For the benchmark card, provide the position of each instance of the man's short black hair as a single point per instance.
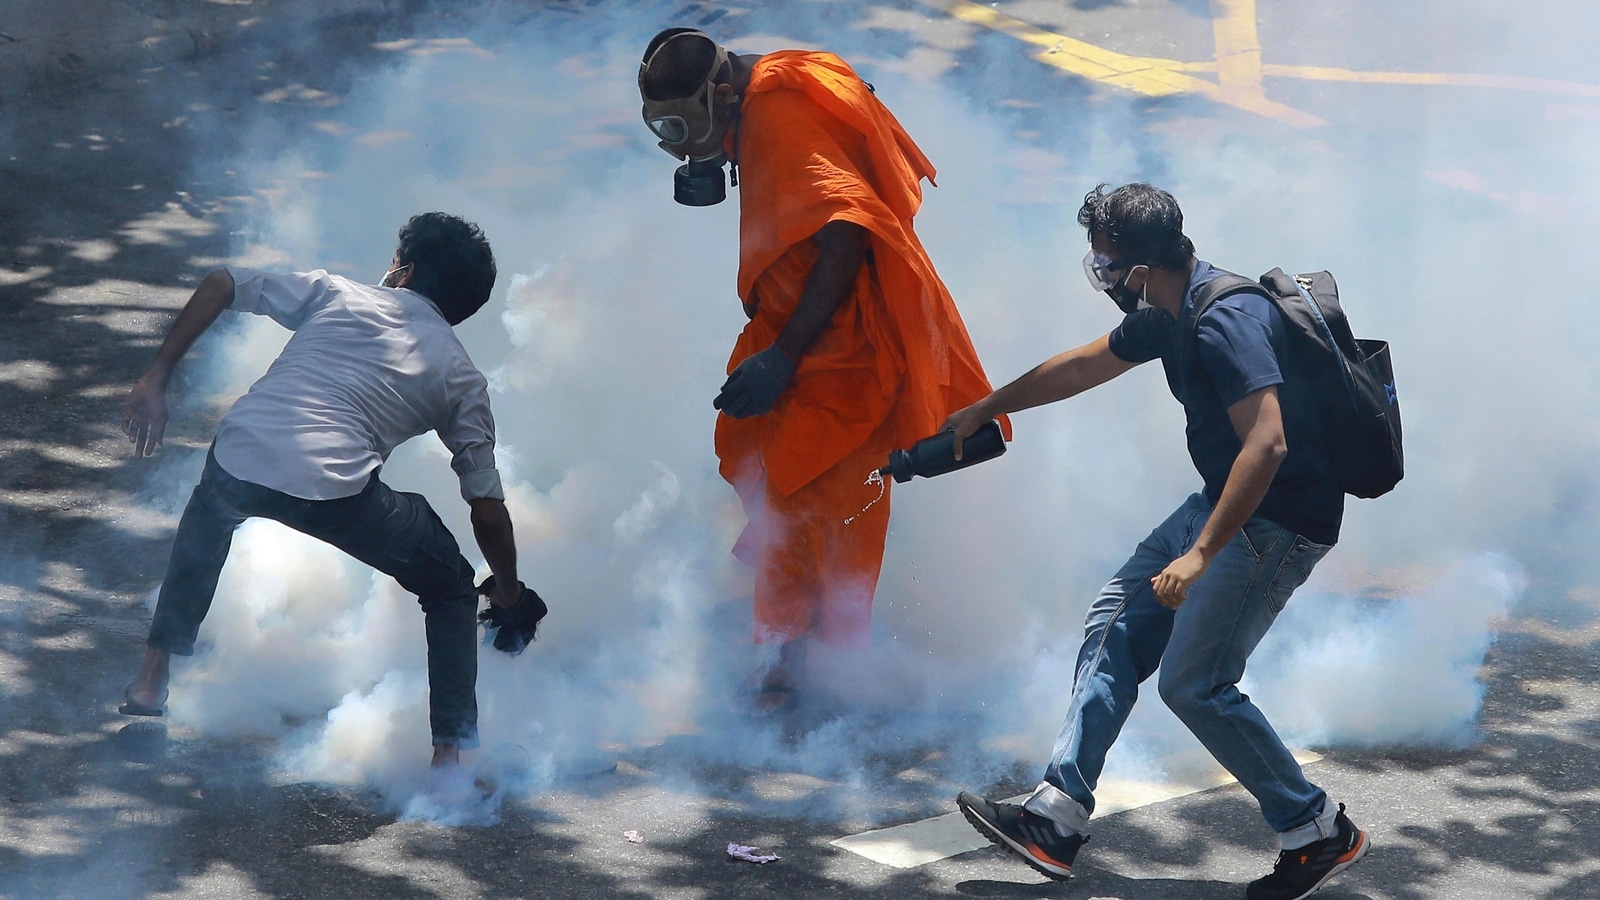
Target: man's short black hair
(680, 71)
(1144, 223)
(451, 262)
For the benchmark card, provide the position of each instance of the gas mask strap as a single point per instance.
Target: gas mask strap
(733, 126)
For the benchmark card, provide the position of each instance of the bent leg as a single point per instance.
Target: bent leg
(400, 535)
(1125, 636)
(1228, 612)
(205, 534)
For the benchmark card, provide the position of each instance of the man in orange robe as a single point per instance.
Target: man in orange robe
(854, 345)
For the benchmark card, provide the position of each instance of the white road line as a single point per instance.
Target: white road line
(930, 840)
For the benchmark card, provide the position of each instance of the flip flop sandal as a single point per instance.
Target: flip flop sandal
(132, 707)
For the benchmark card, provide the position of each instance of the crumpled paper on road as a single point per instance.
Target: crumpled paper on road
(750, 854)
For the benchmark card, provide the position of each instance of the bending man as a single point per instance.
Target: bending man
(854, 345)
(1201, 591)
(367, 368)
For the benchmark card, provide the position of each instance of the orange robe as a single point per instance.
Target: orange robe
(813, 146)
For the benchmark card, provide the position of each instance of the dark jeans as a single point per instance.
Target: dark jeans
(396, 533)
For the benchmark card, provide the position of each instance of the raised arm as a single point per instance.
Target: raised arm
(144, 414)
(1057, 378)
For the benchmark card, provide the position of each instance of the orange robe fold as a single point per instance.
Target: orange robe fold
(813, 146)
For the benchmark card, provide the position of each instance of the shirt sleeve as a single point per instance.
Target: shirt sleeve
(468, 433)
(286, 299)
(1235, 337)
(1142, 336)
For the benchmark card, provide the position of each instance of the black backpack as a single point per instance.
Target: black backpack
(1352, 379)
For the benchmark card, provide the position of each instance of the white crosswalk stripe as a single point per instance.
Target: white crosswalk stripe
(941, 837)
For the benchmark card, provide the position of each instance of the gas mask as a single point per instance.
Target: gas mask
(689, 121)
(1097, 267)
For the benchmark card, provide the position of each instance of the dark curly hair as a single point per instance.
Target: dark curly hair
(451, 262)
(1144, 223)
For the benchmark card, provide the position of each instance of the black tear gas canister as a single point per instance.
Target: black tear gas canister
(937, 455)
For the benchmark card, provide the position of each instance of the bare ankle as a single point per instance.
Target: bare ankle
(446, 756)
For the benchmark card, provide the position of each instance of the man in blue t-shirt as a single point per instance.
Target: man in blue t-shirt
(1201, 591)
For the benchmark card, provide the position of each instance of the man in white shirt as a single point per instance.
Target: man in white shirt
(368, 367)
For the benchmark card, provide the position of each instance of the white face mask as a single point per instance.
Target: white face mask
(384, 281)
(1099, 269)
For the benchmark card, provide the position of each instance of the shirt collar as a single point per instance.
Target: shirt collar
(425, 298)
(1203, 273)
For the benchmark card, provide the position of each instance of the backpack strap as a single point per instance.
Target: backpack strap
(1223, 286)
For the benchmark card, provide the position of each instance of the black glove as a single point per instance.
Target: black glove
(515, 627)
(753, 388)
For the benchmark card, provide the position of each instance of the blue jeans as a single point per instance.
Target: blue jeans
(396, 533)
(1201, 649)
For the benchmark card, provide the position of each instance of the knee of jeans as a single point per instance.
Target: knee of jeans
(1184, 696)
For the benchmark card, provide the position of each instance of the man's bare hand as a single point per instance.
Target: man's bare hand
(144, 416)
(964, 422)
(1172, 583)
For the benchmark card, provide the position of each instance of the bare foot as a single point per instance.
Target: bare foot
(446, 774)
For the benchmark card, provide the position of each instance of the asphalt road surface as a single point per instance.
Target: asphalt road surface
(143, 143)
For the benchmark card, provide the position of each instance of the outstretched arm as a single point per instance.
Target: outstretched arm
(491, 526)
(1057, 378)
(144, 415)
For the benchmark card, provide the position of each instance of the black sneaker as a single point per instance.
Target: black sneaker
(1301, 871)
(1031, 837)
(515, 628)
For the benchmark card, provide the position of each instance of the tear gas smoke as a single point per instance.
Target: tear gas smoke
(608, 336)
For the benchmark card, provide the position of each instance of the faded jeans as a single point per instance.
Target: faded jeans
(396, 533)
(1201, 649)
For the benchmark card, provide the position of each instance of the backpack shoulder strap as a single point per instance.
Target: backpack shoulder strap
(1225, 285)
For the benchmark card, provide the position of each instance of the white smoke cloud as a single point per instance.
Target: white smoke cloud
(1351, 670)
(609, 337)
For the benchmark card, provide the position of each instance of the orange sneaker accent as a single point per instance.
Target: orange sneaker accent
(1036, 853)
(1361, 840)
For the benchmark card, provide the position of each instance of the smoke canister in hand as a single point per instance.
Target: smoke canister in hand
(937, 455)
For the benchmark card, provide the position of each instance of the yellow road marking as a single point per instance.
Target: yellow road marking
(1238, 47)
(1238, 66)
(1151, 76)
(1506, 82)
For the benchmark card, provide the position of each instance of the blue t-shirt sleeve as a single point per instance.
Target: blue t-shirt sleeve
(1235, 338)
(1143, 335)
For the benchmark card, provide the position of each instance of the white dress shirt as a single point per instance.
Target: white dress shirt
(367, 369)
